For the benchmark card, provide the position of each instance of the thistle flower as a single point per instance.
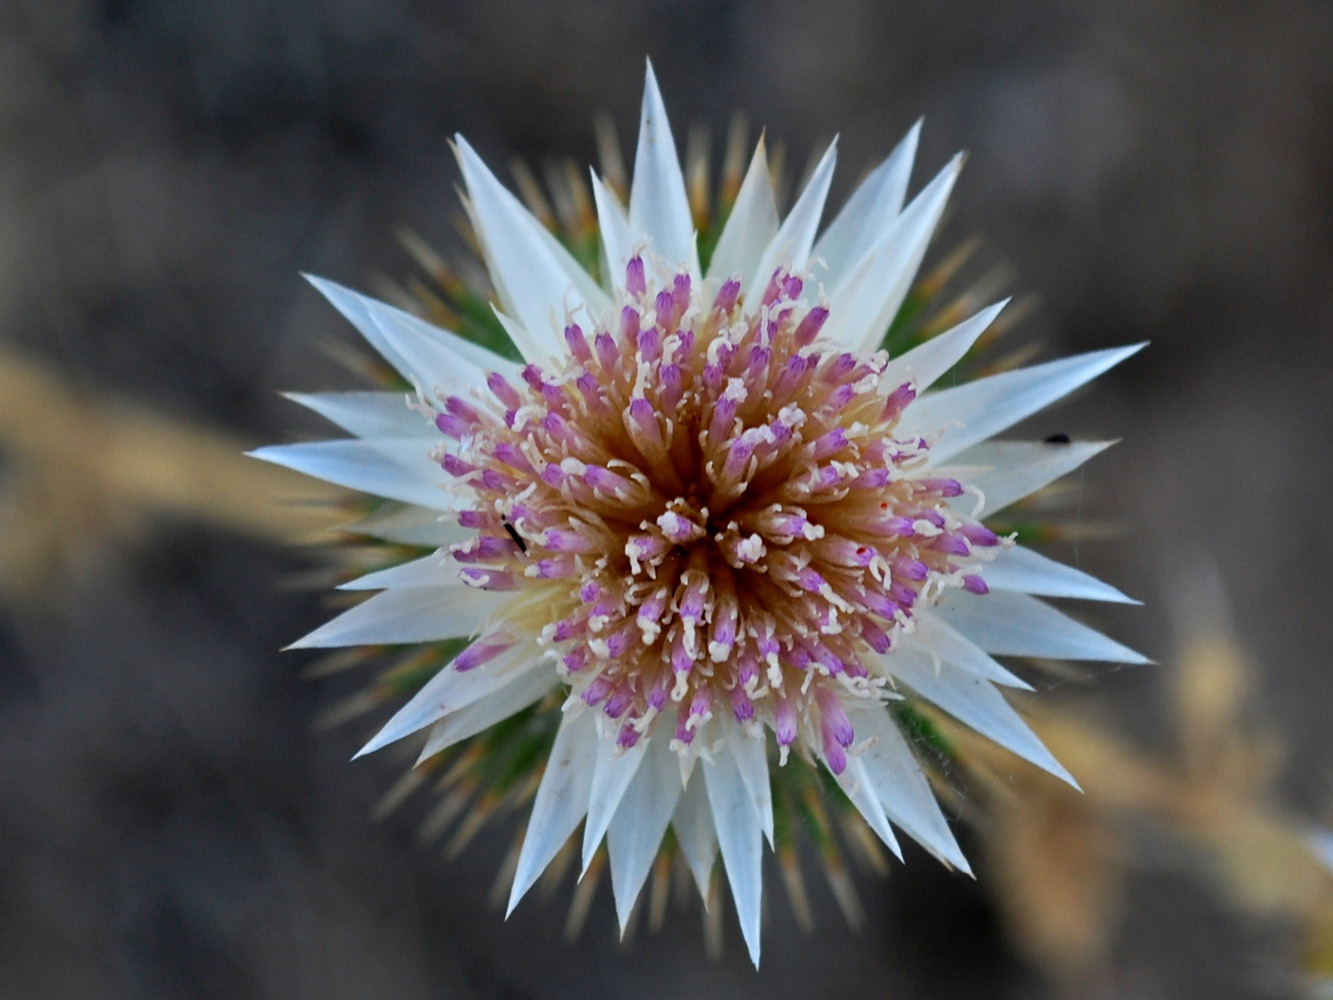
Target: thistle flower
(706, 519)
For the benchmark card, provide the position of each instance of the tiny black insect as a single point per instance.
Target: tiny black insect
(522, 545)
(1058, 439)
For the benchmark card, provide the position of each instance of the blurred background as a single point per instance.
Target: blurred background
(170, 823)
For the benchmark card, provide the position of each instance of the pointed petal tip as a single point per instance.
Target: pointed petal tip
(828, 160)
(315, 640)
(1127, 351)
(331, 290)
(1047, 762)
(474, 168)
(466, 156)
(342, 298)
(990, 312)
(517, 891)
(1104, 592)
(1132, 657)
(1095, 448)
(652, 92)
(947, 852)
(1114, 355)
(376, 742)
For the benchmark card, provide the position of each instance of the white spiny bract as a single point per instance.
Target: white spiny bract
(709, 513)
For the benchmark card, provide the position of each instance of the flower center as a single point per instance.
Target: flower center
(706, 510)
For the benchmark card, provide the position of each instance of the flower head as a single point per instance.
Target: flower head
(709, 513)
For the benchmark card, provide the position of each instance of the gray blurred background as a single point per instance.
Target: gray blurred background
(170, 826)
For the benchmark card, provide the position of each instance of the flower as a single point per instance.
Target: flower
(708, 513)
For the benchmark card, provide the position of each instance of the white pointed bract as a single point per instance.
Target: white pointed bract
(708, 512)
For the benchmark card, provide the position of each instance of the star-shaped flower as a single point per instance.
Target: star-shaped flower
(707, 511)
